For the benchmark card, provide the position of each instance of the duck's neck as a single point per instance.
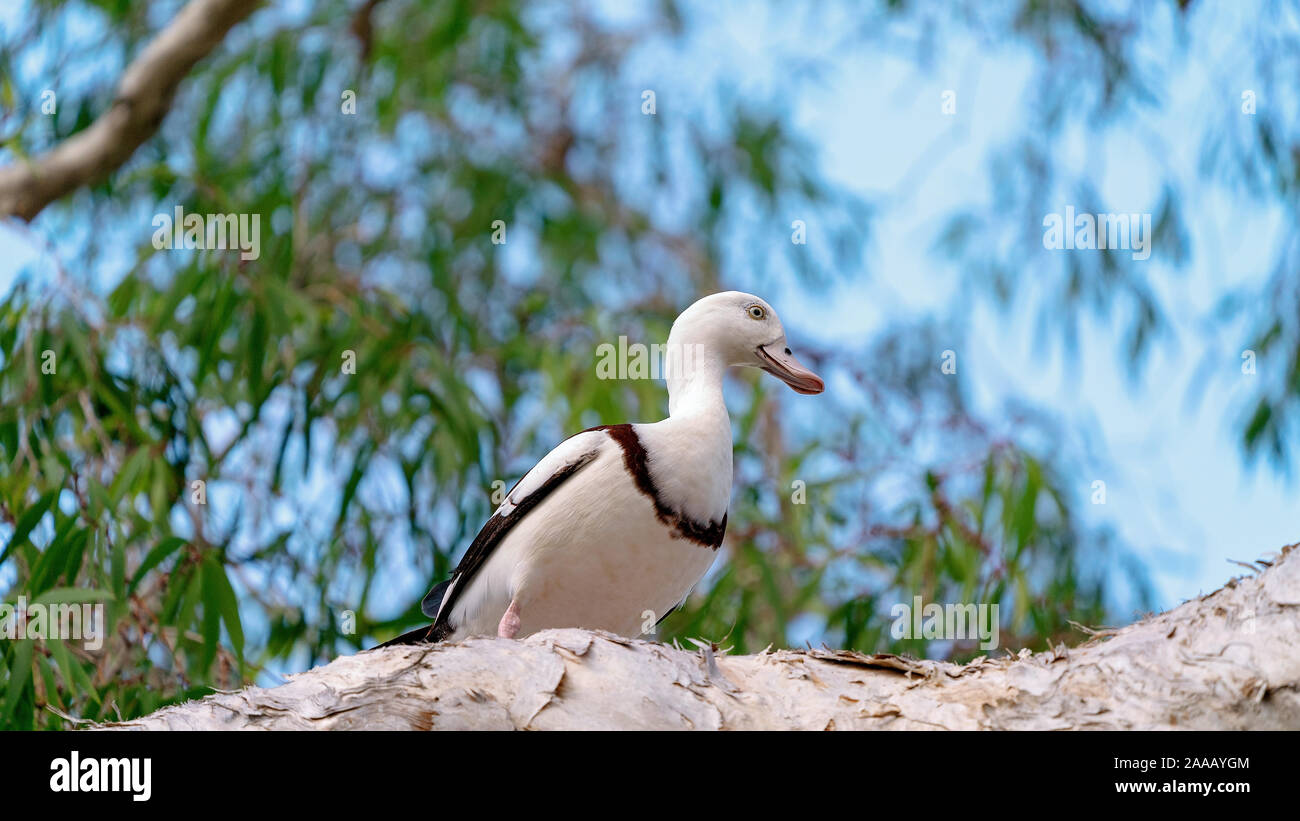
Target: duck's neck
(694, 377)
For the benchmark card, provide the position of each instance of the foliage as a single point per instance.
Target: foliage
(333, 498)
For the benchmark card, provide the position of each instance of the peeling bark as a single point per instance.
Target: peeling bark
(1229, 660)
(143, 98)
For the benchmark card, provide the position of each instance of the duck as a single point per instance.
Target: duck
(613, 528)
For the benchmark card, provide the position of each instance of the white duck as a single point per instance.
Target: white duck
(613, 528)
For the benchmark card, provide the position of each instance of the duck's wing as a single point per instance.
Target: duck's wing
(556, 468)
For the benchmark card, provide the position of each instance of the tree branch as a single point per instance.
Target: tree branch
(143, 99)
(1229, 660)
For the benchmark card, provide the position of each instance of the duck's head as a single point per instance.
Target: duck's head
(744, 331)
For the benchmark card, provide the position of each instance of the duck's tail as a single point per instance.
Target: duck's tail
(419, 635)
(435, 632)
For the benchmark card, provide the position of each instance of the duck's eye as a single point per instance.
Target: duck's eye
(757, 312)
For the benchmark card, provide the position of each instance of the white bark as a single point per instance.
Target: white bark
(1227, 660)
(143, 98)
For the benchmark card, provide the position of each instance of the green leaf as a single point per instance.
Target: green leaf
(155, 557)
(219, 590)
(53, 559)
(28, 521)
(68, 595)
(211, 598)
(117, 562)
(125, 479)
(20, 672)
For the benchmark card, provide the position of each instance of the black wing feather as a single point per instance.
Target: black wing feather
(433, 599)
(497, 527)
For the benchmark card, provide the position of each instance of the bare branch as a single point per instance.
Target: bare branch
(143, 99)
(1228, 660)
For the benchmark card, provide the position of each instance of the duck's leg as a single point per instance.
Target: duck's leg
(509, 625)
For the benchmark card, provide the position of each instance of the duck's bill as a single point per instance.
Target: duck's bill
(778, 361)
